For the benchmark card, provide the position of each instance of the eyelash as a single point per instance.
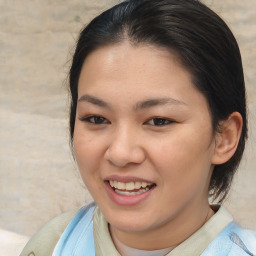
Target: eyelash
(99, 120)
(163, 121)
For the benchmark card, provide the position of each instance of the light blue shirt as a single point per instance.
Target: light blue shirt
(78, 240)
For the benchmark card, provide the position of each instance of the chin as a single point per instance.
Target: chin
(131, 223)
(130, 227)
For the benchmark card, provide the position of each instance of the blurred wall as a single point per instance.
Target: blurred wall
(38, 178)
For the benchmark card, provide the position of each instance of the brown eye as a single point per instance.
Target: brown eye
(95, 120)
(158, 121)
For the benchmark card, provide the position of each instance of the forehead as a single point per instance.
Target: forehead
(135, 72)
(122, 59)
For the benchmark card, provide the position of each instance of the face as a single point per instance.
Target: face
(143, 140)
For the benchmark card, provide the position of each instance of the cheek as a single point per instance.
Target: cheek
(87, 158)
(86, 151)
(182, 148)
(184, 159)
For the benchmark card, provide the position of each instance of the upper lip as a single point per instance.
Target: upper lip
(126, 179)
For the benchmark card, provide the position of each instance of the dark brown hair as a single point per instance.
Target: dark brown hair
(203, 43)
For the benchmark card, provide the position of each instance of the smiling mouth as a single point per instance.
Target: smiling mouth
(132, 188)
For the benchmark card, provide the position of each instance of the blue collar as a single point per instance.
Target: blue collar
(78, 235)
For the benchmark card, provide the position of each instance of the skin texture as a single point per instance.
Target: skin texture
(178, 155)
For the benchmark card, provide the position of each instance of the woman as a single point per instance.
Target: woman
(158, 124)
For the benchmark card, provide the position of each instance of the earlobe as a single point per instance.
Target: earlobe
(228, 138)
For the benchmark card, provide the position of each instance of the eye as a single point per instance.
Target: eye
(95, 120)
(159, 121)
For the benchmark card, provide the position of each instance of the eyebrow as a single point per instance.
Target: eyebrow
(93, 100)
(158, 101)
(140, 105)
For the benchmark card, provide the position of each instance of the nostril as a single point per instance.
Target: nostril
(123, 156)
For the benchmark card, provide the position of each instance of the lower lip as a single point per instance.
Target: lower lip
(127, 200)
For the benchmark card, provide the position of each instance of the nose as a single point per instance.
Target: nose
(125, 148)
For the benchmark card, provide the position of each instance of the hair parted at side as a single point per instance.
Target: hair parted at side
(198, 37)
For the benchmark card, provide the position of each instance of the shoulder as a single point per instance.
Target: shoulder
(232, 241)
(44, 241)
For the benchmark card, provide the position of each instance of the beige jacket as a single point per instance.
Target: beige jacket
(44, 241)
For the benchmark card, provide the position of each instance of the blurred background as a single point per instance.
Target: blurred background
(38, 178)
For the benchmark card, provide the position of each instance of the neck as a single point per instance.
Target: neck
(168, 235)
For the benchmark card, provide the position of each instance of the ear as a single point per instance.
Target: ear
(227, 139)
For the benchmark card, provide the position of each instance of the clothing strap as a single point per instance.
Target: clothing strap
(77, 239)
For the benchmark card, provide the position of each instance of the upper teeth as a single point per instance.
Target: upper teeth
(129, 185)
